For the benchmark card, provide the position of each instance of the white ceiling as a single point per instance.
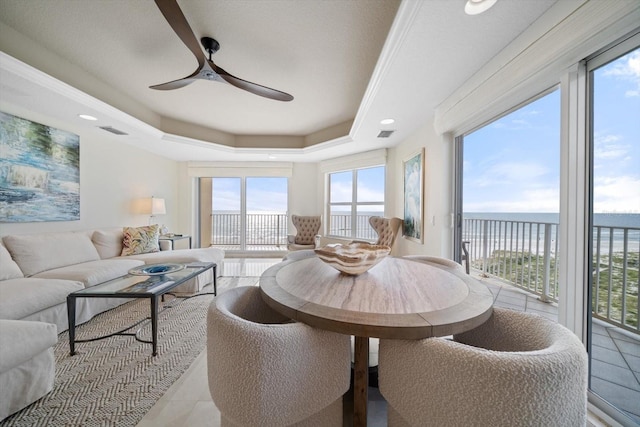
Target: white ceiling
(348, 63)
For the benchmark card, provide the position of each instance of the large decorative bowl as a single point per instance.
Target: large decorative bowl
(353, 258)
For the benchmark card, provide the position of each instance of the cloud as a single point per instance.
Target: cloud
(533, 200)
(607, 139)
(617, 194)
(267, 201)
(608, 148)
(226, 200)
(626, 68)
(370, 194)
(512, 124)
(341, 192)
(518, 120)
(514, 172)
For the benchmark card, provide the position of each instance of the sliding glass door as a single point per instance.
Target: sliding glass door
(613, 330)
(247, 213)
(508, 186)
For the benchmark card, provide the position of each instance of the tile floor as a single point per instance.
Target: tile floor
(616, 364)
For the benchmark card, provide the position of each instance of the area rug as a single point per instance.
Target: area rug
(116, 381)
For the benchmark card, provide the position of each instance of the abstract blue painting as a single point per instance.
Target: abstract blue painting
(39, 172)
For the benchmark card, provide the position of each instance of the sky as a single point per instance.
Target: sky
(266, 195)
(513, 164)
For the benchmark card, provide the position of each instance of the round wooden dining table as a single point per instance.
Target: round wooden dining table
(399, 298)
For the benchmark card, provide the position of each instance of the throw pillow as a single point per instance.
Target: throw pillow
(8, 267)
(108, 242)
(140, 240)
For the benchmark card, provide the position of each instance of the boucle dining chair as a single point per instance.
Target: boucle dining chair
(266, 370)
(516, 369)
(307, 229)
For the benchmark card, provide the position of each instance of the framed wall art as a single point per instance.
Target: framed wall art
(413, 168)
(39, 172)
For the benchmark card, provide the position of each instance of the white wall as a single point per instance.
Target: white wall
(305, 191)
(438, 191)
(112, 175)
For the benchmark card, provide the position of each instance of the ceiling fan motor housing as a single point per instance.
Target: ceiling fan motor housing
(210, 45)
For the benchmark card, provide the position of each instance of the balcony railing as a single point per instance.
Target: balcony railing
(270, 230)
(525, 255)
(262, 230)
(340, 226)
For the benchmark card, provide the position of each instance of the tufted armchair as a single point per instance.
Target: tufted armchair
(516, 369)
(387, 229)
(307, 228)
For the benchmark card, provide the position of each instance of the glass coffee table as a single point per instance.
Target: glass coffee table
(147, 281)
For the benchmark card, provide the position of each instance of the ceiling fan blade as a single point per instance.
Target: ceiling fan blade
(254, 88)
(176, 84)
(174, 16)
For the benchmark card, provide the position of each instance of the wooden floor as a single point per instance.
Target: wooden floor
(615, 365)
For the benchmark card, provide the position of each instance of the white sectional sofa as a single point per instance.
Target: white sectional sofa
(37, 272)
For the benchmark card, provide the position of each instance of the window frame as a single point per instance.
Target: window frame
(588, 67)
(353, 204)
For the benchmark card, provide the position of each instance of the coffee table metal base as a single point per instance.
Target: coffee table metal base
(153, 300)
(71, 312)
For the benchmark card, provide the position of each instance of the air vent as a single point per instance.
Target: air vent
(385, 133)
(113, 130)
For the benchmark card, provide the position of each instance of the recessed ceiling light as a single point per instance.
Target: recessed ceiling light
(475, 7)
(87, 117)
(386, 121)
(272, 156)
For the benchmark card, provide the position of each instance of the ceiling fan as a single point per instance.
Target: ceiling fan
(207, 70)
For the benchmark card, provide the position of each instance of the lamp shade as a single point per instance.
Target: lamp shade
(158, 207)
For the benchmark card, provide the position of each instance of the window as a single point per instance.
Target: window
(510, 196)
(589, 220)
(354, 196)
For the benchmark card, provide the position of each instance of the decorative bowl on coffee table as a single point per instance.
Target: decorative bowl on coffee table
(353, 258)
(156, 269)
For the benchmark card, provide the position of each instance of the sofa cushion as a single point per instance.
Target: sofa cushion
(93, 272)
(182, 256)
(39, 252)
(140, 240)
(21, 340)
(23, 297)
(108, 242)
(8, 267)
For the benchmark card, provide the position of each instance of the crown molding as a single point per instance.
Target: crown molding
(400, 29)
(44, 81)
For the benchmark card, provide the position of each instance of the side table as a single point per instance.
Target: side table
(174, 238)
